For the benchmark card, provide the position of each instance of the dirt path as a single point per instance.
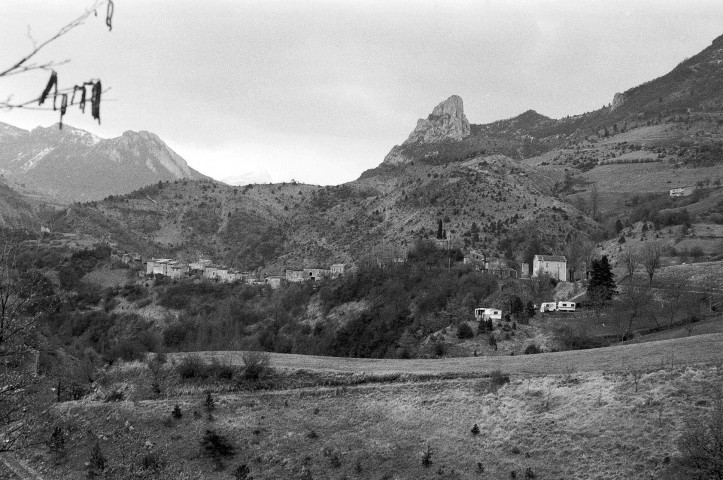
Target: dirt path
(701, 349)
(12, 469)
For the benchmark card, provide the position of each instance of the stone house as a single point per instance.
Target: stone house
(553, 265)
(295, 276)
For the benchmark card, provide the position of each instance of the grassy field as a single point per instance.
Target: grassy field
(592, 425)
(681, 351)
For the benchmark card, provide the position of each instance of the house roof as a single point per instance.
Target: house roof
(550, 258)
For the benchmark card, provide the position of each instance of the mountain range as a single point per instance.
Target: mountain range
(497, 187)
(68, 165)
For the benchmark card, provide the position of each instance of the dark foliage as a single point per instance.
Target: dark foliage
(601, 283)
(464, 331)
(216, 446)
(97, 463)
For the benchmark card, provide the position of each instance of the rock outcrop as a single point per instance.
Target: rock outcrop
(446, 122)
(618, 100)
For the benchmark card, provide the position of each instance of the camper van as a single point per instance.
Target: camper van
(487, 313)
(565, 306)
(548, 307)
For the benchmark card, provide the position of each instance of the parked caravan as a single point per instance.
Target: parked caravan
(487, 313)
(548, 307)
(565, 306)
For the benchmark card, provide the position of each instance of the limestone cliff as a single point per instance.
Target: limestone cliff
(447, 121)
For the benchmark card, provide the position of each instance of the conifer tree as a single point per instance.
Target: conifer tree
(602, 283)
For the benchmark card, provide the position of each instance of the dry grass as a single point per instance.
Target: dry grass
(575, 425)
(687, 351)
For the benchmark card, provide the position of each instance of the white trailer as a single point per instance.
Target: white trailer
(487, 313)
(565, 306)
(548, 307)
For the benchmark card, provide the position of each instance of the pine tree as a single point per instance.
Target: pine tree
(601, 279)
(439, 229)
(618, 226)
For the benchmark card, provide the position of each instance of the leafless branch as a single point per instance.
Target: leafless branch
(22, 65)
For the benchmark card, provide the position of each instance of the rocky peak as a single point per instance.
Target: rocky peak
(447, 121)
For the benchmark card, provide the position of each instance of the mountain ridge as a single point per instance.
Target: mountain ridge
(69, 164)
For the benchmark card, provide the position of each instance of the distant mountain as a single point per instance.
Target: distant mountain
(695, 86)
(71, 165)
(248, 178)
(507, 187)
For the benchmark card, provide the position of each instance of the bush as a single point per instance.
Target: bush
(497, 380)
(464, 331)
(532, 349)
(222, 371)
(427, 456)
(192, 366)
(176, 412)
(97, 463)
(115, 396)
(256, 365)
(153, 462)
(57, 440)
(242, 472)
(216, 446)
(701, 444)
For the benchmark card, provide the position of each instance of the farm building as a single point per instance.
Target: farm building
(682, 191)
(553, 265)
(338, 269)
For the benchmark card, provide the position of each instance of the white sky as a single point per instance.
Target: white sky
(321, 91)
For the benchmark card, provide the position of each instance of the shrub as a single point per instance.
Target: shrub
(192, 366)
(215, 445)
(532, 349)
(97, 463)
(427, 456)
(475, 429)
(209, 404)
(242, 472)
(153, 462)
(222, 371)
(115, 396)
(464, 331)
(176, 412)
(701, 444)
(497, 380)
(57, 440)
(256, 365)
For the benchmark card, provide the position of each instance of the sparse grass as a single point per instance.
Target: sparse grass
(701, 349)
(578, 429)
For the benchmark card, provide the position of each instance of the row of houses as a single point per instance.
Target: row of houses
(314, 274)
(205, 269)
(552, 265)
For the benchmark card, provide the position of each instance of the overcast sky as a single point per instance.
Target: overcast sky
(321, 91)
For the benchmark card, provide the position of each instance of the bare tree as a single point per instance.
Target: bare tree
(28, 63)
(701, 444)
(675, 297)
(594, 201)
(630, 259)
(635, 300)
(651, 254)
(577, 250)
